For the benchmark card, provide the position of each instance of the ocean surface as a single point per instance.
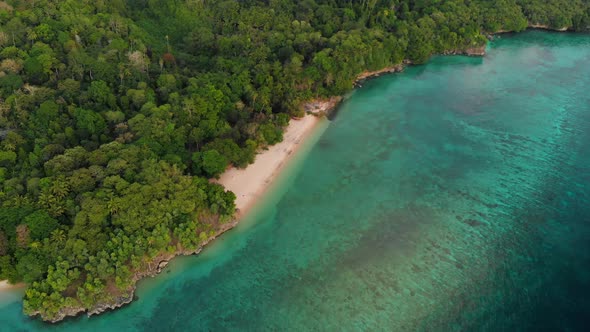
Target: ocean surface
(454, 196)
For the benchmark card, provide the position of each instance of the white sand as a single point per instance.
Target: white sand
(250, 183)
(4, 285)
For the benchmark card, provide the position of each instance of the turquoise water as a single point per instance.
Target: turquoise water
(451, 197)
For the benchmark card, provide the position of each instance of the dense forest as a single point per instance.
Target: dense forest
(115, 113)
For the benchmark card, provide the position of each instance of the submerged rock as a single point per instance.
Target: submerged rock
(162, 265)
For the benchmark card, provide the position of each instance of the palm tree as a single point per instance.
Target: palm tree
(32, 36)
(113, 206)
(60, 188)
(58, 236)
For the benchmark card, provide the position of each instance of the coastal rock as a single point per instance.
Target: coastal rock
(370, 74)
(321, 106)
(102, 307)
(324, 106)
(546, 27)
(472, 51)
(476, 51)
(532, 26)
(162, 265)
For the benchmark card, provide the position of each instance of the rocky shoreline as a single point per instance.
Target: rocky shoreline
(387, 70)
(318, 107)
(472, 51)
(324, 106)
(154, 269)
(546, 27)
(321, 106)
(530, 26)
(329, 104)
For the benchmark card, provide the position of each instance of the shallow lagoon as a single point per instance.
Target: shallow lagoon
(453, 196)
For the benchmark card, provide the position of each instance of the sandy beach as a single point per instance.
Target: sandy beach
(4, 285)
(250, 183)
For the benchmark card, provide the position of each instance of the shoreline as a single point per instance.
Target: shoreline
(534, 26)
(4, 286)
(251, 183)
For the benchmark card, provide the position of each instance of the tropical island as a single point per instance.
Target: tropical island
(117, 116)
